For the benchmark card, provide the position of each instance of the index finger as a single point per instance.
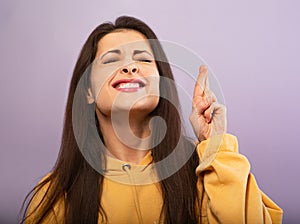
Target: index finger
(202, 84)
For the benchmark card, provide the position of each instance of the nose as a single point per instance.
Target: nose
(129, 69)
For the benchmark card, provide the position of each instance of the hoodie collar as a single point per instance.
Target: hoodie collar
(132, 174)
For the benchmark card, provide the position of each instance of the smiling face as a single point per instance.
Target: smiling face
(124, 74)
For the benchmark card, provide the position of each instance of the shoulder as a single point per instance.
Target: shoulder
(40, 201)
(40, 192)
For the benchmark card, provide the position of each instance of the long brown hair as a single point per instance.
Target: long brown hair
(75, 181)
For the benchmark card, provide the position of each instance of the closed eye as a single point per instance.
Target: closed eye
(111, 56)
(142, 56)
(110, 61)
(144, 60)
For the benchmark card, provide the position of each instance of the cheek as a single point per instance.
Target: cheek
(105, 98)
(102, 93)
(153, 87)
(152, 94)
(100, 77)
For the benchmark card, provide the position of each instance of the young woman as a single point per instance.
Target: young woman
(119, 163)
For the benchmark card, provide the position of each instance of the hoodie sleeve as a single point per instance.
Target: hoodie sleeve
(228, 192)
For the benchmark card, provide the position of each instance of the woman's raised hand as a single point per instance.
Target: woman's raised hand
(208, 117)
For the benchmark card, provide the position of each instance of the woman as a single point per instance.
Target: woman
(114, 166)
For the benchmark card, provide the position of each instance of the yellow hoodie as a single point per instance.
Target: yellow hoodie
(228, 192)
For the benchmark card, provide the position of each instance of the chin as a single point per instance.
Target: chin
(143, 106)
(124, 104)
(146, 104)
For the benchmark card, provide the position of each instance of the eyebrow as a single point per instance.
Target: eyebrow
(142, 51)
(116, 51)
(135, 52)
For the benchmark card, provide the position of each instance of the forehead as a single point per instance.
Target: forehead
(122, 39)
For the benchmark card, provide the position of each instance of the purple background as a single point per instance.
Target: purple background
(252, 47)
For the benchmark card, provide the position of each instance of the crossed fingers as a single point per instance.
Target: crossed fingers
(204, 100)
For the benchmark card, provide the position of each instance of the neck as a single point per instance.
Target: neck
(124, 135)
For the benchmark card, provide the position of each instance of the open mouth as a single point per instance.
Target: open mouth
(128, 85)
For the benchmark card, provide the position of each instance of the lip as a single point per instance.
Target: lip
(116, 85)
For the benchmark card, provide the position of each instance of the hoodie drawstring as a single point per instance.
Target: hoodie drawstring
(126, 167)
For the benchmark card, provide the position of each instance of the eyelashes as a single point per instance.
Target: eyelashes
(108, 61)
(145, 60)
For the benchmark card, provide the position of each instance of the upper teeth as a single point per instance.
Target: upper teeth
(129, 85)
